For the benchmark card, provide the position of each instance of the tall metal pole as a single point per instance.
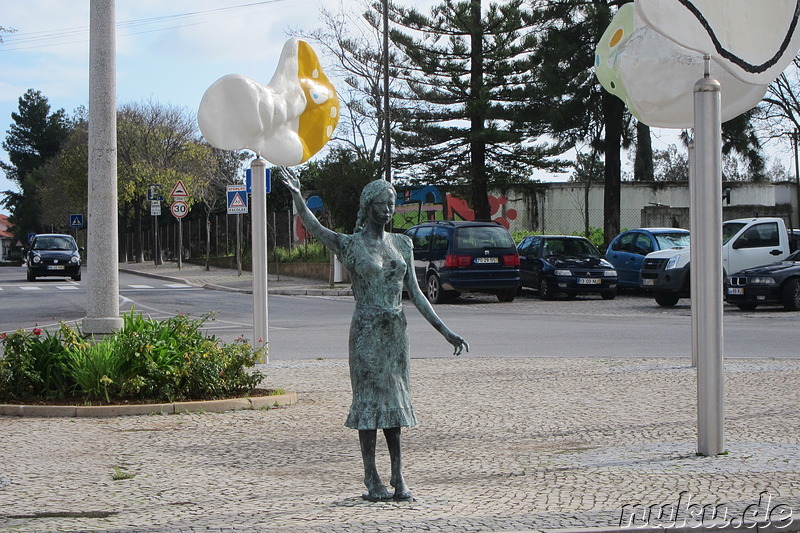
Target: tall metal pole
(102, 313)
(387, 137)
(706, 266)
(693, 249)
(258, 169)
(795, 136)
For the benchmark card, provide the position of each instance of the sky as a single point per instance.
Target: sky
(170, 52)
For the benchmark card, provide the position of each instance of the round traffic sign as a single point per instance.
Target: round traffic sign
(179, 208)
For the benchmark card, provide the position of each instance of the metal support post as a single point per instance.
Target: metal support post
(258, 169)
(706, 264)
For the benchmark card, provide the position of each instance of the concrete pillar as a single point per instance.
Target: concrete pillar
(102, 314)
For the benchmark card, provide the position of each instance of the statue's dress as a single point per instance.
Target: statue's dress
(379, 359)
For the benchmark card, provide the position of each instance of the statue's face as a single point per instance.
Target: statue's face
(381, 208)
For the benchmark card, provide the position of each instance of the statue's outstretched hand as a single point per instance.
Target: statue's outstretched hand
(458, 343)
(290, 178)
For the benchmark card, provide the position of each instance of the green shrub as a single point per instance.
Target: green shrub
(146, 360)
(311, 252)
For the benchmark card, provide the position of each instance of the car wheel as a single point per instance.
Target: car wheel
(791, 295)
(76, 278)
(31, 277)
(609, 294)
(746, 306)
(506, 295)
(545, 290)
(667, 299)
(435, 293)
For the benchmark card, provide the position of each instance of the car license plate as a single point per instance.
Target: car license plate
(648, 282)
(55, 267)
(589, 281)
(487, 260)
(736, 291)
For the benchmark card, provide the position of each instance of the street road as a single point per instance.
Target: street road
(303, 327)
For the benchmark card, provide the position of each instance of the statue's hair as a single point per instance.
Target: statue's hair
(370, 191)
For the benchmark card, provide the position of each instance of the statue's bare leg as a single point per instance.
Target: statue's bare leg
(401, 491)
(376, 490)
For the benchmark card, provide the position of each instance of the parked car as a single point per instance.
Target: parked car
(746, 243)
(451, 257)
(567, 264)
(52, 254)
(626, 252)
(778, 283)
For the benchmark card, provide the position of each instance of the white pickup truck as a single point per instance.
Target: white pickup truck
(746, 243)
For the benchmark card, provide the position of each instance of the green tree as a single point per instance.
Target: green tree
(570, 96)
(158, 145)
(32, 140)
(466, 75)
(671, 165)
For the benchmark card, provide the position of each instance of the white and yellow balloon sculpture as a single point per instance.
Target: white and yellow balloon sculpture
(286, 122)
(651, 55)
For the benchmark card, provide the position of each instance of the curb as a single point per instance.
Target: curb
(105, 411)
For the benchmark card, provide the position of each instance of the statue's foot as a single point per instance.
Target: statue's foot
(377, 493)
(403, 496)
(401, 492)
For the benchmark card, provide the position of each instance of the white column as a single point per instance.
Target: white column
(706, 267)
(258, 170)
(102, 315)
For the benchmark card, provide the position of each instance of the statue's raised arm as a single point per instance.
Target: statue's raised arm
(326, 236)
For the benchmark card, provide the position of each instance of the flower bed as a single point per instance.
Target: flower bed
(146, 361)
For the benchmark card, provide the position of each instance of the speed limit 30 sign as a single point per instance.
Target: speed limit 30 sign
(179, 209)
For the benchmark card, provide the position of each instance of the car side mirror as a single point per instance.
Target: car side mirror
(741, 242)
(81, 249)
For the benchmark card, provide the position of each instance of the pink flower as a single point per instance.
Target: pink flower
(37, 331)
(2, 336)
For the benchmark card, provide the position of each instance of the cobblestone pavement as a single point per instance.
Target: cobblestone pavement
(503, 445)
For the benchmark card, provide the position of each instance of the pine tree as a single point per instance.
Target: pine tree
(571, 96)
(31, 141)
(466, 73)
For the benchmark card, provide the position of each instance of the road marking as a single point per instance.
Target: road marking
(141, 286)
(178, 286)
(30, 288)
(67, 287)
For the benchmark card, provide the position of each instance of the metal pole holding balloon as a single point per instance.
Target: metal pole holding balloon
(258, 171)
(706, 266)
(284, 122)
(650, 56)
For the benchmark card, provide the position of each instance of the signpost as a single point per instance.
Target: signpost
(179, 210)
(76, 222)
(155, 198)
(237, 205)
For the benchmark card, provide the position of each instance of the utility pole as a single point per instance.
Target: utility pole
(387, 137)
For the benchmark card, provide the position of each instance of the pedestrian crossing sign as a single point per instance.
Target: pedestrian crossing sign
(76, 221)
(237, 199)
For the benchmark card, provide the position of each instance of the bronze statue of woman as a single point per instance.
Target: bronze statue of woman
(380, 265)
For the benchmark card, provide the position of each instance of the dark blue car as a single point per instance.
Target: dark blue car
(626, 252)
(565, 264)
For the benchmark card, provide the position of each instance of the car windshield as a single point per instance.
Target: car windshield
(483, 237)
(54, 243)
(672, 240)
(729, 229)
(571, 247)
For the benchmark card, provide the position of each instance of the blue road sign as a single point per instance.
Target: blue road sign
(248, 180)
(237, 199)
(30, 237)
(76, 221)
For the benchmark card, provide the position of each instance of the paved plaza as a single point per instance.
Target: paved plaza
(504, 444)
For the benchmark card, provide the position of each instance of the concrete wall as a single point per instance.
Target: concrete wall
(560, 207)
